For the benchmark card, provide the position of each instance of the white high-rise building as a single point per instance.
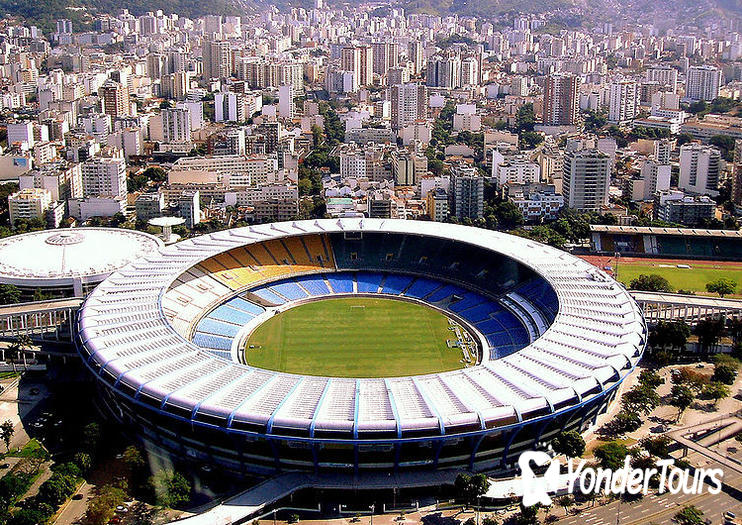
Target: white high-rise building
(667, 77)
(286, 101)
(176, 125)
(196, 111)
(21, 133)
(104, 177)
(229, 107)
(655, 177)
(703, 83)
(700, 166)
(409, 104)
(623, 101)
(586, 178)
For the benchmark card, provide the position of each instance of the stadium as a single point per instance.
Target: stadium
(358, 345)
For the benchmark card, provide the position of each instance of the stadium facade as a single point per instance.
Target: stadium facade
(165, 336)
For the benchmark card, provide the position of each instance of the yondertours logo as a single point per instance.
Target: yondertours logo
(625, 480)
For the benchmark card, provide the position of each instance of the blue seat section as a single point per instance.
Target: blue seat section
(368, 282)
(265, 293)
(422, 287)
(289, 290)
(469, 300)
(246, 306)
(507, 320)
(445, 292)
(490, 326)
(314, 284)
(499, 339)
(341, 282)
(480, 312)
(212, 341)
(541, 295)
(212, 326)
(395, 284)
(230, 315)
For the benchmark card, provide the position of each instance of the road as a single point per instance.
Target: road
(74, 509)
(658, 509)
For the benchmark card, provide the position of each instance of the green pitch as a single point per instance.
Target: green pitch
(355, 337)
(694, 279)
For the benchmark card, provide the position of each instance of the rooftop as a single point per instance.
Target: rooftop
(69, 253)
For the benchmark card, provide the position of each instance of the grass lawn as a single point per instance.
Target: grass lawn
(32, 449)
(694, 279)
(355, 337)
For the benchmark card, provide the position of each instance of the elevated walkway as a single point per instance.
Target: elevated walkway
(251, 502)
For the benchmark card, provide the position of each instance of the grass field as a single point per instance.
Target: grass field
(693, 278)
(355, 337)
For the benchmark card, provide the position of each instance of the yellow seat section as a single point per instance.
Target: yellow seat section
(241, 267)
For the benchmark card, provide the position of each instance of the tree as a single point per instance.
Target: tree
(716, 391)
(527, 515)
(28, 517)
(57, 489)
(674, 334)
(611, 455)
(690, 378)
(83, 461)
(565, 502)
(724, 374)
(469, 488)
(170, 489)
(525, 118)
(102, 507)
(657, 446)
(721, 286)
(570, 443)
(650, 283)
(708, 332)
(650, 378)
(7, 430)
(641, 399)
(622, 423)
(689, 515)
(91, 436)
(9, 294)
(681, 398)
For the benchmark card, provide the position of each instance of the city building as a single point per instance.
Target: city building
(436, 204)
(537, 202)
(703, 83)
(586, 177)
(623, 101)
(29, 203)
(700, 167)
(680, 208)
(561, 100)
(409, 104)
(466, 196)
(104, 177)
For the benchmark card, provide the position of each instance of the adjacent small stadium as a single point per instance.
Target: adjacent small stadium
(682, 274)
(357, 345)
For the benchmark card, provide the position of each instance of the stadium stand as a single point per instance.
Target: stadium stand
(158, 336)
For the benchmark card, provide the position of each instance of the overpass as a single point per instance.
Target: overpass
(721, 428)
(689, 308)
(41, 320)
